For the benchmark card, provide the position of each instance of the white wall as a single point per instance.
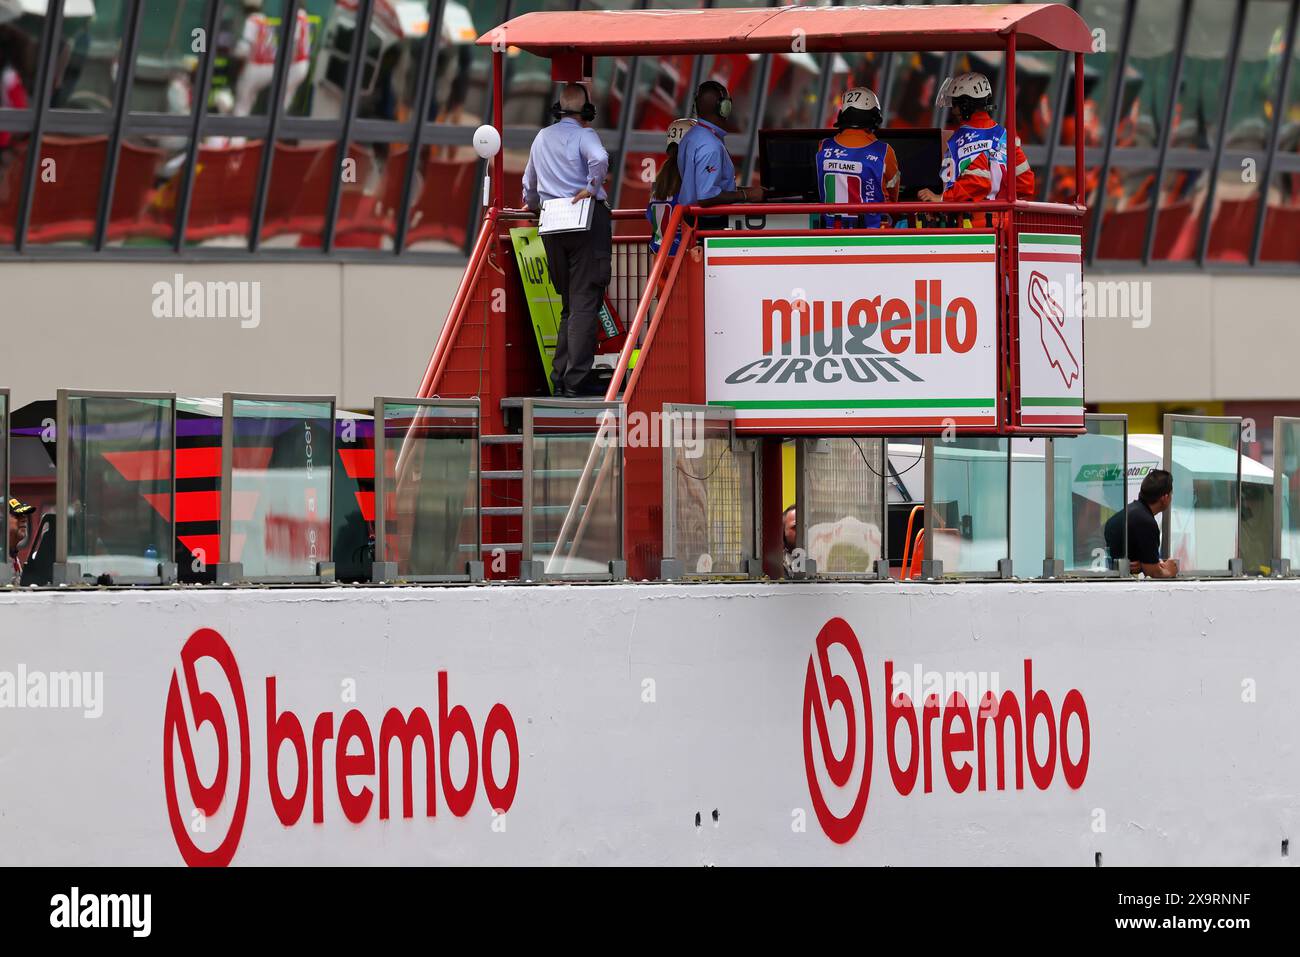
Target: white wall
(361, 330)
(635, 707)
(355, 331)
(1212, 337)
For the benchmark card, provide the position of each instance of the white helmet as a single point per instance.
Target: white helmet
(974, 85)
(678, 129)
(859, 98)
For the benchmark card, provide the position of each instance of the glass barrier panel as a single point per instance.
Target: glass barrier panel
(4, 447)
(574, 487)
(1089, 491)
(969, 512)
(843, 505)
(1286, 460)
(712, 493)
(1028, 506)
(280, 474)
(119, 464)
(431, 488)
(1200, 530)
(353, 511)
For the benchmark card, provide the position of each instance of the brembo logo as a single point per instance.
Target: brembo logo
(999, 736)
(358, 757)
(859, 340)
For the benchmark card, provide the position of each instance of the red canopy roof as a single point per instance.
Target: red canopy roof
(1038, 26)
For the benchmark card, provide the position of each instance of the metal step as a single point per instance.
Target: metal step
(494, 475)
(501, 439)
(509, 547)
(506, 510)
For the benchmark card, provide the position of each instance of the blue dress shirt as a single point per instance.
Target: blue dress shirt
(705, 164)
(565, 158)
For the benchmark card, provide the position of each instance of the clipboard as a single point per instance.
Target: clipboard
(563, 215)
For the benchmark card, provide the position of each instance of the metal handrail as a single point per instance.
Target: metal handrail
(451, 326)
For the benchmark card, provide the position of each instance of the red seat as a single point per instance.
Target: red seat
(1232, 230)
(446, 197)
(1281, 234)
(65, 201)
(222, 198)
(1123, 234)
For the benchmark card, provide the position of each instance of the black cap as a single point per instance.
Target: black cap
(19, 508)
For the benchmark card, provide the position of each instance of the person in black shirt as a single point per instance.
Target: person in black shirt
(1143, 529)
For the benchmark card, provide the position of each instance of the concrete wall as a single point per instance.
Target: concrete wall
(1211, 337)
(361, 330)
(355, 331)
(1149, 722)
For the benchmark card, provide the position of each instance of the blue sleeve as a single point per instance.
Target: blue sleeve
(596, 157)
(707, 171)
(687, 193)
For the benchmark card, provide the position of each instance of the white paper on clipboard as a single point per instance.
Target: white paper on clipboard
(563, 215)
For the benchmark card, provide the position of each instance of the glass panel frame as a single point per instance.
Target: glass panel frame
(6, 568)
(1233, 563)
(744, 455)
(460, 408)
(807, 452)
(230, 572)
(1116, 567)
(554, 566)
(932, 567)
(70, 572)
(1286, 511)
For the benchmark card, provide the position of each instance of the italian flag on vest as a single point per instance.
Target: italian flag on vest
(843, 188)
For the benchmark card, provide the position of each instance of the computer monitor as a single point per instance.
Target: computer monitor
(787, 161)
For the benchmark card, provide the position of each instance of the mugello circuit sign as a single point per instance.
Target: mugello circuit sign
(826, 332)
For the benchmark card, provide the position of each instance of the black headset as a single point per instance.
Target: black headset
(587, 113)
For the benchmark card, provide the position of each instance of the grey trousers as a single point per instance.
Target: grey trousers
(579, 267)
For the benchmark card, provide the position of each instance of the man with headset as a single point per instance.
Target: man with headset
(708, 175)
(567, 160)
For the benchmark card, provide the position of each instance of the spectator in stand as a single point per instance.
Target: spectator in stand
(13, 94)
(256, 51)
(1144, 552)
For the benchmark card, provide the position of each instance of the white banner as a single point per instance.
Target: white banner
(729, 724)
(816, 333)
(1051, 329)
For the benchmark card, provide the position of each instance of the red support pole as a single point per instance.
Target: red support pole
(498, 120)
(772, 508)
(1081, 192)
(1010, 125)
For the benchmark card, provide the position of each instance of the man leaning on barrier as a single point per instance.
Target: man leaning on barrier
(1143, 530)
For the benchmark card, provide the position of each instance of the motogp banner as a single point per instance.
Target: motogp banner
(1051, 330)
(824, 332)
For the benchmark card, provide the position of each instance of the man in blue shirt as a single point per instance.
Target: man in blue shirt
(567, 161)
(708, 174)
